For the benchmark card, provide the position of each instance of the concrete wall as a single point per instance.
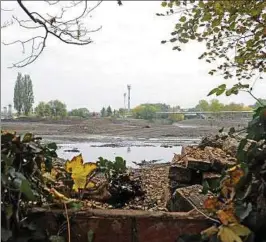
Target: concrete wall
(124, 225)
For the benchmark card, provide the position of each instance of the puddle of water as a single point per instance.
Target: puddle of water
(130, 154)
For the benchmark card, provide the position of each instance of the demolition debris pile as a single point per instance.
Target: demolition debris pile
(199, 168)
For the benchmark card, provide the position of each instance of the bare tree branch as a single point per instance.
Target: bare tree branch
(71, 31)
(6, 24)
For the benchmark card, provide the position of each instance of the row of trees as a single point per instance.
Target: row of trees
(216, 106)
(148, 111)
(54, 108)
(106, 112)
(23, 94)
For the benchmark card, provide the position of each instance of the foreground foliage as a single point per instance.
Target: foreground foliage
(22, 183)
(31, 177)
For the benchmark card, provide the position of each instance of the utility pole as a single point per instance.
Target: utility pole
(125, 105)
(128, 96)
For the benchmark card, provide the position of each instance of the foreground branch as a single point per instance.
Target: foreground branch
(70, 31)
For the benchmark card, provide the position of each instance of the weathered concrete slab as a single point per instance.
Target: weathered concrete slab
(187, 198)
(180, 174)
(197, 164)
(122, 225)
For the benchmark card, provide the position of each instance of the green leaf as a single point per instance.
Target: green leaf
(170, 5)
(201, 4)
(207, 17)
(216, 22)
(258, 111)
(164, 4)
(75, 205)
(228, 92)
(176, 48)
(183, 19)
(90, 235)
(52, 146)
(213, 91)
(173, 40)
(27, 137)
(26, 190)
(119, 164)
(232, 26)
(220, 92)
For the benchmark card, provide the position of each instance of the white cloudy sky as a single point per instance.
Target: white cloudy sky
(126, 51)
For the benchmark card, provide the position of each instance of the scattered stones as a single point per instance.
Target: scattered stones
(155, 183)
(223, 141)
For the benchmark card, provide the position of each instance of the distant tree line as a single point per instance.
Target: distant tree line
(150, 111)
(24, 100)
(216, 106)
(56, 108)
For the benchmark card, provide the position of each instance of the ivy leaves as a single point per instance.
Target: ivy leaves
(21, 175)
(234, 32)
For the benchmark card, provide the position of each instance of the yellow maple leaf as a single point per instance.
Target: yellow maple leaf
(240, 229)
(79, 172)
(227, 235)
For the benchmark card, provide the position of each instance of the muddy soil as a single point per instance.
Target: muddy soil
(99, 128)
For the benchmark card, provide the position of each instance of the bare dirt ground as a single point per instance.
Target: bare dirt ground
(81, 130)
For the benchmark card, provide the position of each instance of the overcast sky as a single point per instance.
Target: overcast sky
(126, 50)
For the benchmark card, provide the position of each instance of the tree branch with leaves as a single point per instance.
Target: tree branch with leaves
(234, 33)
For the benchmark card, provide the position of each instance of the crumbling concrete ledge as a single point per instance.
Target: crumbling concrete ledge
(123, 225)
